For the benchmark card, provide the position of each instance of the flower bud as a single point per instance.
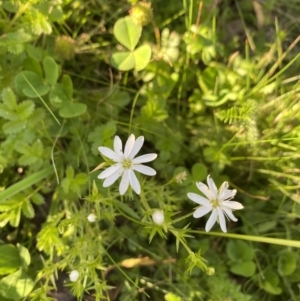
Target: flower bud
(141, 13)
(91, 218)
(158, 217)
(210, 271)
(74, 275)
(65, 47)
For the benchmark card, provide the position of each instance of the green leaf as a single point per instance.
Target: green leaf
(10, 6)
(270, 288)
(15, 217)
(9, 259)
(48, 240)
(73, 183)
(16, 113)
(199, 172)
(25, 109)
(31, 64)
(24, 256)
(270, 282)
(35, 52)
(9, 104)
(14, 42)
(31, 154)
(16, 286)
(124, 207)
(287, 263)
(56, 14)
(123, 61)
(102, 135)
(51, 70)
(58, 95)
(127, 32)
(142, 56)
(25, 183)
(27, 209)
(39, 22)
(72, 110)
(238, 250)
(70, 172)
(30, 84)
(244, 268)
(12, 127)
(68, 85)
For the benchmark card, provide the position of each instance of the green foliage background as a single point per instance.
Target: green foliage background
(213, 88)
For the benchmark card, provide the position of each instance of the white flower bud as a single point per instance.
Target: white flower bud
(158, 217)
(91, 218)
(74, 275)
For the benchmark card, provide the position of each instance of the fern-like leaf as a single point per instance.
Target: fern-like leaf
(243, 117)
(14, 41)
(17, 114)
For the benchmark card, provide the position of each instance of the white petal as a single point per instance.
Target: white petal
(205, 190)
(229, 214)
(225, 193)
(212, 186)
(124, 182)
(199, 212)
(118, 146)
(129, 145)
(198, 199)
(107, 152)
(134, 182)
(144, 158)
(222, 219)
(211, 221)
(136, 147)
(112, 178)
(232, 205)
(109, 171)
(222, 191)
(146, 170)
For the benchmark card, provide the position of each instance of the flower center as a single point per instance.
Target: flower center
(126, 163)
(215, 203)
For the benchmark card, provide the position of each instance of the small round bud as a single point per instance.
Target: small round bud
(65, 47)
(158, 217)
(74, 275)
(210, 271)
(91, 218)
(141, 13)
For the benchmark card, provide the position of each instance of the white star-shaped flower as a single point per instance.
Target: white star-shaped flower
(126, 164)
(217, 201)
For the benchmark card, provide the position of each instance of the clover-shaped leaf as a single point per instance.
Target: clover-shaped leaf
(137, 59)
(142, 57)
(127, 32)
(30, 84)
(123, 61)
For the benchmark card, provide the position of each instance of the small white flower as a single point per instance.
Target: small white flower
(217, 201)
(74, 275)
(158, 217)
(91, 218)
(126, 164)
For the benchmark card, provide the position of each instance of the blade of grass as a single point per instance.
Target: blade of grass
(267, 240)
(25, 183)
